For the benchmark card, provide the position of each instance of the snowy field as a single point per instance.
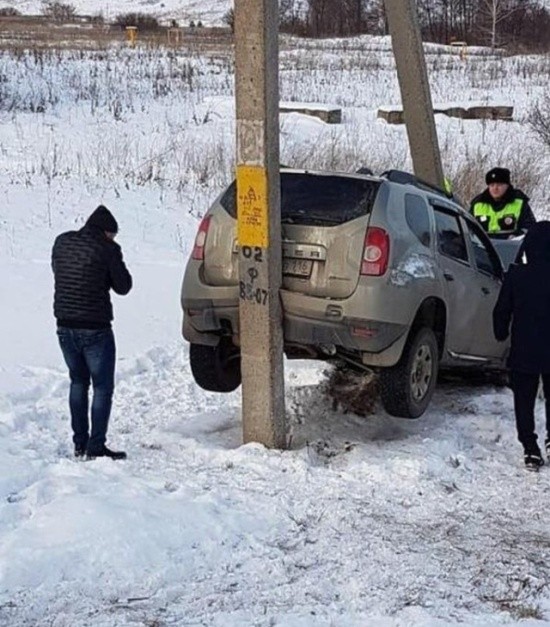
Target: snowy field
(365, 521)
(210, 12)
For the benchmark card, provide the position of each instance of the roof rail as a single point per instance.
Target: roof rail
(406, 178)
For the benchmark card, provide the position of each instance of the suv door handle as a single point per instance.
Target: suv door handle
(485, 290)
(448, 276)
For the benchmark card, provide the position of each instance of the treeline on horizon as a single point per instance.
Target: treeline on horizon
(516, 25)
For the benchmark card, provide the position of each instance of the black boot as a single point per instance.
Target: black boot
(105, 452)
(533, 460)
(79, 451)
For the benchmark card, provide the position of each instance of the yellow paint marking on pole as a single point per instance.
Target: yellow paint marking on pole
(252, 212)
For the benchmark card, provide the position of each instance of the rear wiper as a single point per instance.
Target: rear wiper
(308, 219)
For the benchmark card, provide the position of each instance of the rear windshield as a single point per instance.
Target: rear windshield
(316, 200)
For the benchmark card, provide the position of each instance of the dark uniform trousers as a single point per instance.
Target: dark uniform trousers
(525, 386)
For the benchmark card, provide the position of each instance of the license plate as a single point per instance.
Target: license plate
(297, 267)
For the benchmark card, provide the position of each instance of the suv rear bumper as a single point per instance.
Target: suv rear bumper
(379, 342)
(204, 320)
(349, 334)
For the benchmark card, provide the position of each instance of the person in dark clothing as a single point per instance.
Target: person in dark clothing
(524, 301)
(87, 264)
(502, 210)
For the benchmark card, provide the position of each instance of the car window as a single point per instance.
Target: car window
(317, 200)
(509, 251)
(418, 217)
(450, 239)
(486, 259)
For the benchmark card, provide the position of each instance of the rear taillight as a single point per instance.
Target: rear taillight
(376, 252)
(200, 240)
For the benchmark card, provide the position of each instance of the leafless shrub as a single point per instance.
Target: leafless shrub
(539, 120)
(468, 179)
(229, 19)
(468, 176)
(143, 21)
(522, 611)
(98, 18)
(9, 12)
(58, 11)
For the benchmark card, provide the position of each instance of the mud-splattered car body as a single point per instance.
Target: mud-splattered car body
(383, 272)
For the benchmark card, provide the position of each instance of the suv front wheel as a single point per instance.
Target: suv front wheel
(216, 368)
(407, 388)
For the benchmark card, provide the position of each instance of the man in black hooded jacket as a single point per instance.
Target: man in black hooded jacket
(524, 301)
(87, 264)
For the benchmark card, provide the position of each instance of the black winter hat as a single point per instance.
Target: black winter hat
(498, 175)
(103, 219)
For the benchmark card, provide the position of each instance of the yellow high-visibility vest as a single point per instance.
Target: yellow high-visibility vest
(503, 221)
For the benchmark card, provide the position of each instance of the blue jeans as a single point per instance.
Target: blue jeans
(89, 355)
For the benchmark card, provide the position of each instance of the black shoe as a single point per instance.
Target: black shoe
(533, 461)
(79, 451)
(105, 452)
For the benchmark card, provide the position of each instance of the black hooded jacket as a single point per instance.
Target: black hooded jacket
(524, 301)
(86, 266)
(526, 219)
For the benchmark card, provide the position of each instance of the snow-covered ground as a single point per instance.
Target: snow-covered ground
(365, 521)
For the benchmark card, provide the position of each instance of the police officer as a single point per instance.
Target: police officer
(502, 210)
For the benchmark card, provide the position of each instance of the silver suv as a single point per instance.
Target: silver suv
(382, 272)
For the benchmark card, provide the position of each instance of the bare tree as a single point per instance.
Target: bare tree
(445, 20)
(9, 12)
(143, 21)
(495, 12)
(58, 11)
(522, 24)
(339, 17)
(317, 17)
(292, 17)
(375, 18)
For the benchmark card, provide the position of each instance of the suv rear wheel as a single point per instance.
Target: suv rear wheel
(216, 368)
(407, 388)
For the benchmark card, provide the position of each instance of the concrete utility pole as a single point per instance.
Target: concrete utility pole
(415, 90)
(259, 224)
